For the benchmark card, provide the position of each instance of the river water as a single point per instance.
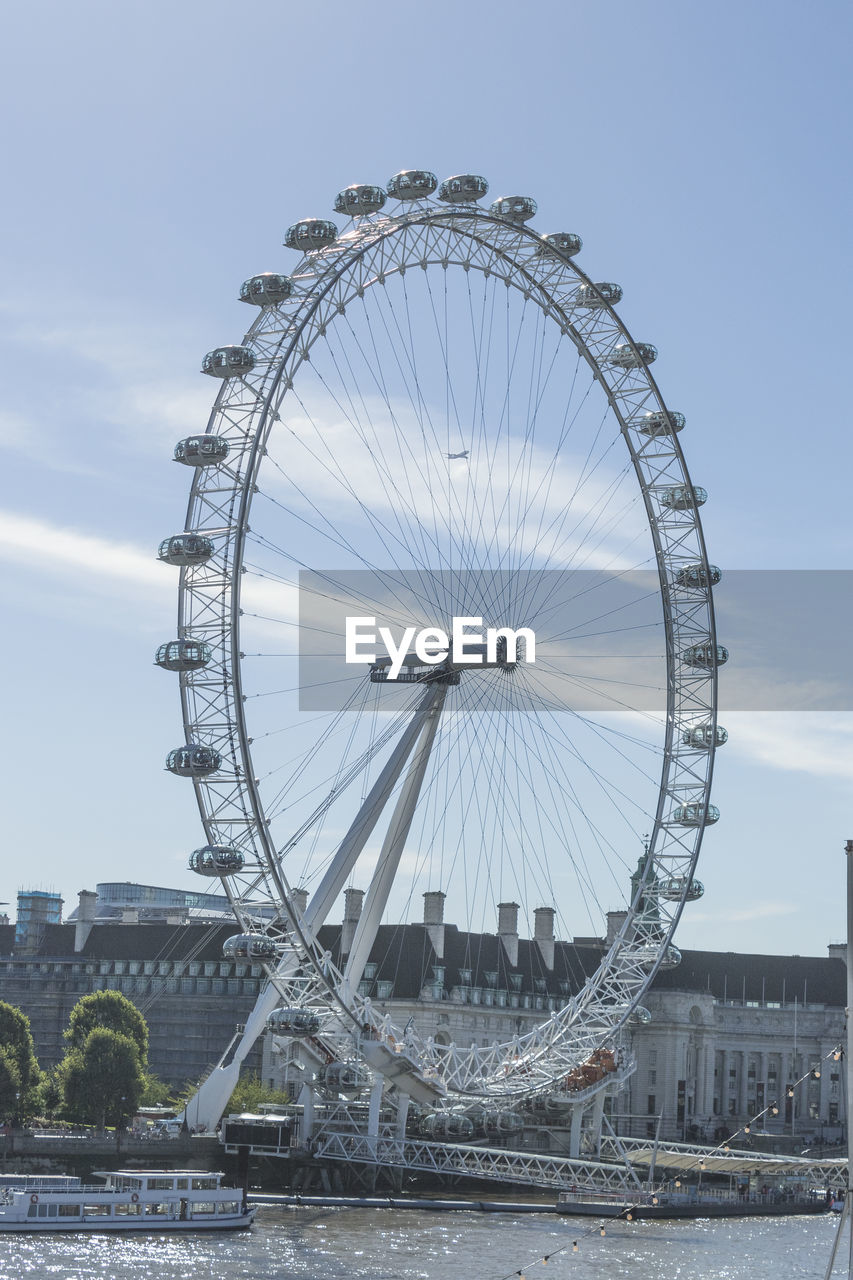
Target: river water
(391, 1244)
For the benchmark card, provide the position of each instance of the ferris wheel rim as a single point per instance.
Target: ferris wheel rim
(365, 239)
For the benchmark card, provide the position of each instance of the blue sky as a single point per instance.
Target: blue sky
(154, 156)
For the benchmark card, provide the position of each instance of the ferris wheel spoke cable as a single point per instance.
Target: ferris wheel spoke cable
(365, 380)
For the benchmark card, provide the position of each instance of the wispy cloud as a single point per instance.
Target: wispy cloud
(816, 743)
(58, 550)
(24, 436)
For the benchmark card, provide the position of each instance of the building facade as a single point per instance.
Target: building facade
(729, 1033)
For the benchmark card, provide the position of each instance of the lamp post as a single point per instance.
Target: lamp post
(119, 1120)
(848, 1198)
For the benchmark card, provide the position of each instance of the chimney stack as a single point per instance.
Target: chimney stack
(615, 921)
(299, 900)
(508, 930)
(86, 900)
(543, 934)
(434, 920)
(353, 900)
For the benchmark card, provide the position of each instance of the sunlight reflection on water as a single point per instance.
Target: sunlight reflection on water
(371, 1244)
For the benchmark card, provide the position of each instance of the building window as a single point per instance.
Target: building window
(651, 1105)
(653, 1078)
(653, 1057)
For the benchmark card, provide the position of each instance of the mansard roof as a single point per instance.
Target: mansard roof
(405, 956)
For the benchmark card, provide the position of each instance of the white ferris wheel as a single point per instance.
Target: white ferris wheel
(437, 414)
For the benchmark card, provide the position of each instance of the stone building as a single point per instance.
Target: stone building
(192, 999)
(729, 1032)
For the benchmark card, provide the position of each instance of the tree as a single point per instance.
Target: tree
(112, 1011)
(156, 1092)
(249, 1094)
(103, 1081)
(10, 1084)
(50, 1094)
(16, 1038)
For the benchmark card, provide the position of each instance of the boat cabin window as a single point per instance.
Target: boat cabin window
(69, 1211)
(157, 1210)
(204, 1184)
(96, 1210)
(181, 1184)
(228, 1206)
(127, 1210)
(161, 1184)
(203, 1206)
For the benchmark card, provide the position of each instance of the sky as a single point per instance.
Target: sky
(155, 154)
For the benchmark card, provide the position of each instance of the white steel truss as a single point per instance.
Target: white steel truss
(372, 250)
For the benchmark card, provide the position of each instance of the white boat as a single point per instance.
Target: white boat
(129, 1200)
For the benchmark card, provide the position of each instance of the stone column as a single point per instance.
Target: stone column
(743, 1105)
(699, 1078)
(710, 1063)
(826, 1067)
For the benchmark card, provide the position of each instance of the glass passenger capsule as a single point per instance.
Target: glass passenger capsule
(293, 1022)
(185, 549)
(515, 208)
(647, 954)
(463, 188)
(266, 289)
(183, 655)
(311, 233)
(600, 294)
(701, 736)
(201, 451)
(695, 814)
(697, 576)
(446, 1124)
(249, 946)
(216, 860)
(193, 761)
(345, 1077)
(506, 1122)
(627, 355)
(678, 887)
(662, 423)
(637, 1015)
(707, 656)
(228, 362)
(357, 200)
(412, 184)
(683, 497)
(565, 243)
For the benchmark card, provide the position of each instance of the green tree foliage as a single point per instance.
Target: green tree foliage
(10, 1084)
(50, 1094)
(103, 1081)
(250, 1093)
(16, 1038)
(156, 1092)
(111, 1011)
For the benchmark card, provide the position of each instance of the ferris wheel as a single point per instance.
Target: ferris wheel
(437, 418)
